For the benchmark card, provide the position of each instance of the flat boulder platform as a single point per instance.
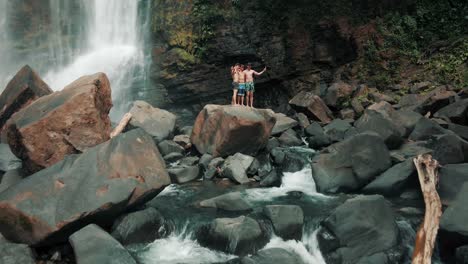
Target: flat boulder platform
(93, 187)
(223, 130)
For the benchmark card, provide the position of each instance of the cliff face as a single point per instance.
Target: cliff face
(304, 44)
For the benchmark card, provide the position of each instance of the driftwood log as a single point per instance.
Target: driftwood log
(121, 126)
(425, 238)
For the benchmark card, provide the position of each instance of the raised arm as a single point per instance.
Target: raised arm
(260, 73)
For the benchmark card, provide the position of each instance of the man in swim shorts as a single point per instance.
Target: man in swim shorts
(235, 82)
(249, 82)
(241, 92)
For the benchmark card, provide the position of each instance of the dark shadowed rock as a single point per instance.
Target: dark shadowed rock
(235, 168)
(25, 87)
(159, 123)
(226, 130)
(337, 129)
(108, 179)
(272, 143)
(293, 162)
(277, 155)
(317, 137)
(408, 119)
(289, 138)
(169, 146)
(348, 236)
(461, 255)
(204, 161)
(461, 131)
(453, 221)
(212, 168)
(448, 149)
(451, 179)
(173, 157)
(273, 255)
(303, 120)
(392, 132)
(11, 178)
(380, 258)
(350, 164)
(337, 93)
(143, 226)
(313, 106)
(184, 174)
(241, 235)
(8, 161)
(16, 254)
(93, 245)
(188, 161)
(232, 201)
(62, 123)
(287, 220)
(393, 181)
(425, 129)
(283, 123)
(273, 179)
(410, 150)
(456, 112)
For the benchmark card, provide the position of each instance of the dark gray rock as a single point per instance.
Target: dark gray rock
(16, 254)
(408, 119)
(453, 225)
(461, 131)
(337, 129)
(317, 137)
(410, 150)
(8, 161)
(93, 245)
(212, 168)
(278, 155)
(289, 138)
(173, 157)
(11, 178)
(461, 255)
(168, 146)
(184, 174)
(273, 179)
(348, 236)
(380, 258)
(456, 112)
(273, 255)
(241, 236)
(451, 179)
(303, 120)
(232, 201)
(260, 166)
(448, 149)
(235, 167)
(159, 123)
(287, 220)
(390, 131)
(393, 181)
(283, 123)
(350, 164)
(425, 129)
(189, 161)
(272, 143)
(139, 227)
(293, 162)
(205, 161)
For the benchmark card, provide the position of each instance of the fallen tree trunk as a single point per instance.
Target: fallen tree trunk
(121, 126)
(425, 238)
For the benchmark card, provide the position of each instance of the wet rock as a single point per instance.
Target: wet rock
(159, 123)
(169, 146)
(347, 235)
(8, 161)
(241, 235)
(317, 137)
(25, 87)
(451, 179)
(303, 120)
(272, 143)
(287, 220)
(425, 129)
(16, 254)
(337, 130)
(211, 170)
(350, 164)
(62, 123)
(264, 165)
(273, 255)
(289, 138)
(313, 106)
(226, 130)
(392, 132)
(139, 227)
(293, 162)
(278, 155)
(232, 201)
(456, 112)
(453, 225)
(337, 93)
(189, 161)
(173, 157)
(283, 123)
(461, 255)
(273, 179)
(109, 179)
(93, 245)
(204, 161)
(461, 131)
(235, 167)
(184, 174)
(183, 140)
(11, 178)
(448, 149)
(393, 181)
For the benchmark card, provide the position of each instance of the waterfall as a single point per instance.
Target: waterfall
(78, 38)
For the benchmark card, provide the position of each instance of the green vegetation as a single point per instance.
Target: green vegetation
(206, 14)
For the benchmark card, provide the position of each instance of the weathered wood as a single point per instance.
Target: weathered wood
(425, 238)
(122, 124)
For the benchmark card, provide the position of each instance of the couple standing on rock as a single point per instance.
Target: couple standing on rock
(242, 82)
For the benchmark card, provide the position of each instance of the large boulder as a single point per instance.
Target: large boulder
(8, 161)
(453, 227)
(361, 227)
(338, 130)
(283, 123)
(461, 131)
(451, 179)
(393, 181)
(11, 178)
(425, 129)
(95, 186)
(456, 112)
(25, 87)
(287, 220)
(316, 136)
(448, 149)
(62, 123)
(235, 167)
(313, 106)
(241, 236)
(15, 254)
(182, 174)
(350, 164)
(93, 245)
(139, 227)
(226, 130)
(290, 138)
(392, 132)
(159, 123)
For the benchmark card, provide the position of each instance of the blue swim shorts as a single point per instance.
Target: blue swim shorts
(241, 91)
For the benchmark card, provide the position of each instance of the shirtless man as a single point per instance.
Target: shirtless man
(235, 82)
(241, 92)
(249, 83)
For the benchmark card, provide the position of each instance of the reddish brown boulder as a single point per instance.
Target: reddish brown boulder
(93, 187)
(62, 123)
(226, 130)
(25, 87)
(313, 106)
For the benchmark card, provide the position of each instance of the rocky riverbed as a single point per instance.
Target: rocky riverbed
(238, 185)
